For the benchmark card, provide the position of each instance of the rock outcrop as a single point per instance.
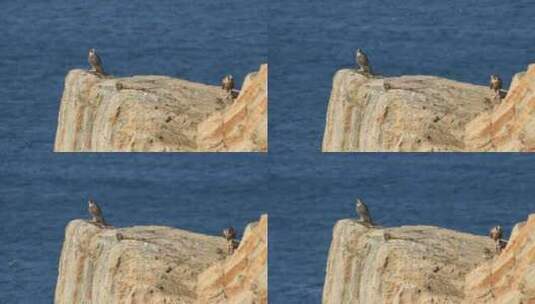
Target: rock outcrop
(425, 113)
(413, 264)
(146, 264)
(241, 278)
(510, 277)
(242, 126)
(158, 114)
(423, 264)
(510, 127)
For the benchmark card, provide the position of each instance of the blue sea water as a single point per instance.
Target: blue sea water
(304, 191)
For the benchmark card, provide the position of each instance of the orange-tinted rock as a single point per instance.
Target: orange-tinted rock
(400, 114)
(153, 264)
(242, 277)
(242, 126)
(427, 114)
(157, 114)
(510, 277)
(423, 264)
(510, 126)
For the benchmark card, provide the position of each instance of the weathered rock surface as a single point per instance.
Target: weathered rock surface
(146, 264)
(412, 264)
(152, 114)
(242, 277)
(425, 113)
(510, 277)
(423, 264)
(242, 126)
(511, 125)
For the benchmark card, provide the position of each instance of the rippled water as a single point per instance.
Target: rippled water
(304, 191)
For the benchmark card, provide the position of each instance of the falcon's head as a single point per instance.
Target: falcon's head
(92, 51)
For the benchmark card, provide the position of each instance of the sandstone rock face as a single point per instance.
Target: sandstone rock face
(407, 113)
(151, 114)
(510, 126)
(422, 264)
(242, 277)
(412, 264)
(147, 264)
(242, 126)
(510, 277)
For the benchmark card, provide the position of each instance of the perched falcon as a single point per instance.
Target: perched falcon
(363, 62)
(95, 62)
(96, 213)
(227, 83)
(363, 212)
(230, 235)
(496, 233)
(495, 83)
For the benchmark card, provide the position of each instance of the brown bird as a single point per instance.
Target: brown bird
(230, 235)
(363, 62)
(95, 62)
(96, 213)
(495, 84)
(363, 212)
(496, 234)
(227, 83)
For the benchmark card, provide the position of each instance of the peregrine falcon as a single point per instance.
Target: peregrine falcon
(364, 213)
(495, 84)
(96, 213)
(95, 62)
(496, 234)
(227, 83)
(363, 62)
(230, 235)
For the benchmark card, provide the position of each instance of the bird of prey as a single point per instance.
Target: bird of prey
(227, 83)
(95, 62)
(96, 213)
(363, 212)
(230, 235)
(496, 234)
(495, 84)
(363, 62)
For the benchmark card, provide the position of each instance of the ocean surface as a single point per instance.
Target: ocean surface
(304, 191)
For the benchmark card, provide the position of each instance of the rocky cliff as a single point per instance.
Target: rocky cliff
(510, 277)
(425, 113)
(423, 264)
(242, 126)
(158, 114)
(511, 125)
(146, 264)
(241, 278)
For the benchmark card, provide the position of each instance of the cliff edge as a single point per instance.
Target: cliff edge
(510, 127)
(241, 127)
(157, 114)
(426, 114)
(424, 264)
(142, 264)
(241, 278)
(510, 277)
